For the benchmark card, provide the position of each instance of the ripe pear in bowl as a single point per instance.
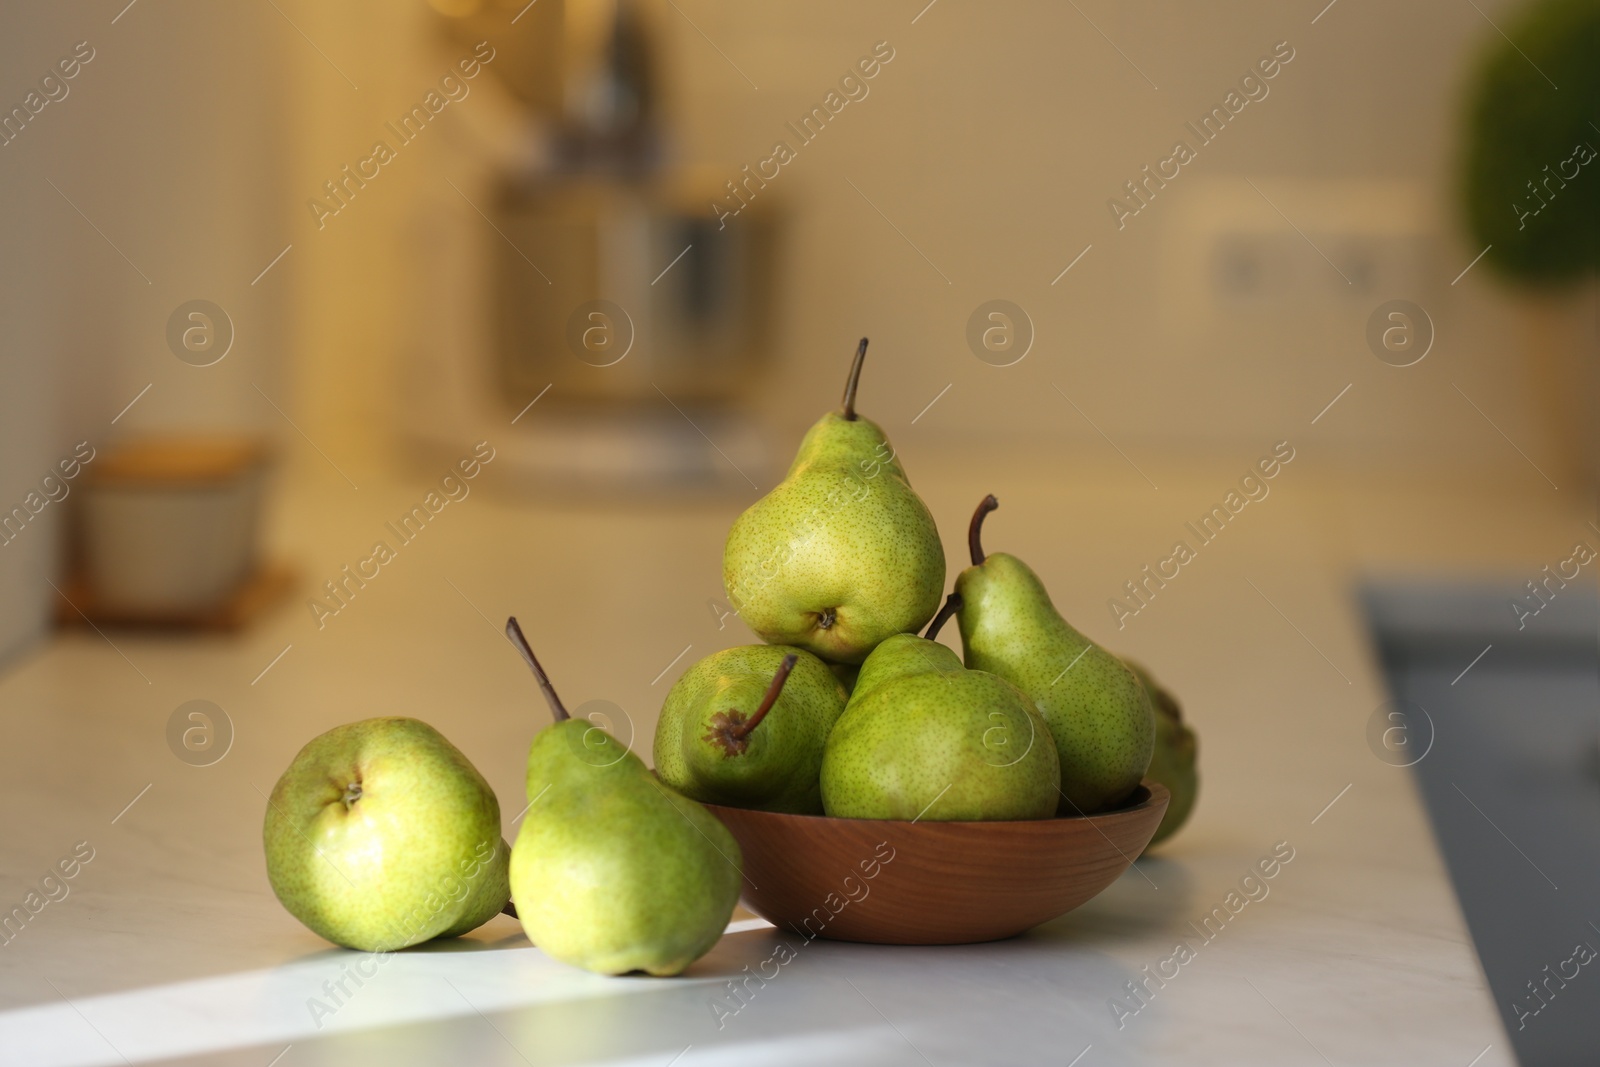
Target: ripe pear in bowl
(612, 871)
(381, 835)
(842, 553)
(924, 738)
(1098, 712)
(746, 727)
(1173, 764)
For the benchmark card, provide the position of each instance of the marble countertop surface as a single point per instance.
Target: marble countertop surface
(168, 945)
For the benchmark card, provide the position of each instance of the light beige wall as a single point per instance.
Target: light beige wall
(153, 181)
(349, 292)
(994, 140)
(190, 145)
(167, 145)
(376, 279)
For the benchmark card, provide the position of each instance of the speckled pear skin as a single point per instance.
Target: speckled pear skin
(924, 737)
(613, 871)
(491, 891)
(847, 674)
(842, 553)
(1174, 761)
(901, 655)
(417, 855)
(1098, 712)
(778, 769)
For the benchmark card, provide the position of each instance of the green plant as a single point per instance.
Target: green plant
(1530, 176)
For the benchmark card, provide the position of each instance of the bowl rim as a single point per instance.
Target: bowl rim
(1152, 790)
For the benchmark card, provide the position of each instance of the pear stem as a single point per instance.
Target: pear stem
(557, 709)
(952, 604)
(854, 381)
(975, 531)
(742, 731)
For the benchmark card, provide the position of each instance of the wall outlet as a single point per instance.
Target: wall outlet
(1239, 253)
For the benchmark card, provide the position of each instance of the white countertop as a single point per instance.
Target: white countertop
(170, 945)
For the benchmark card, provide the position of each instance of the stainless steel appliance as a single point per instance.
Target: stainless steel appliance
(612, 293)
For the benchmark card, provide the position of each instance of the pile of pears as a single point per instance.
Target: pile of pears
(382, 835)
(848, 712)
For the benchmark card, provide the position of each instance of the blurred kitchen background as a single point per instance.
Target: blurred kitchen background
(197, 267)
(239, 344)
(188, 160)
(389, 323)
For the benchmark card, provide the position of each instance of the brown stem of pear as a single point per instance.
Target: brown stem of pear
(742, 731)
(557, 709)
(854, 381)
(952, 604)
(975, 530)
(730, 730)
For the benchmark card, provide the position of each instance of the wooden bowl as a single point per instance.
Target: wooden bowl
(933, 883)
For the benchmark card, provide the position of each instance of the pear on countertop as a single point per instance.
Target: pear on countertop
(381, 835)
(612, 871)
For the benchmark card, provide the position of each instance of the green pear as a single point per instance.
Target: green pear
(1173, 764)
(842, 553)
(613, 871)
(490, 895)
(925, 738)
(382, 835)
(707, 743)
(1098, 712)
(847, 674)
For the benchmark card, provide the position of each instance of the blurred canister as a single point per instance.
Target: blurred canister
(171, 524)
(642, 292)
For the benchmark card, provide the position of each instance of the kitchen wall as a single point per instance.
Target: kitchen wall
(978, 166)
(981, 164)
(149, 178)
(1225, 315)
